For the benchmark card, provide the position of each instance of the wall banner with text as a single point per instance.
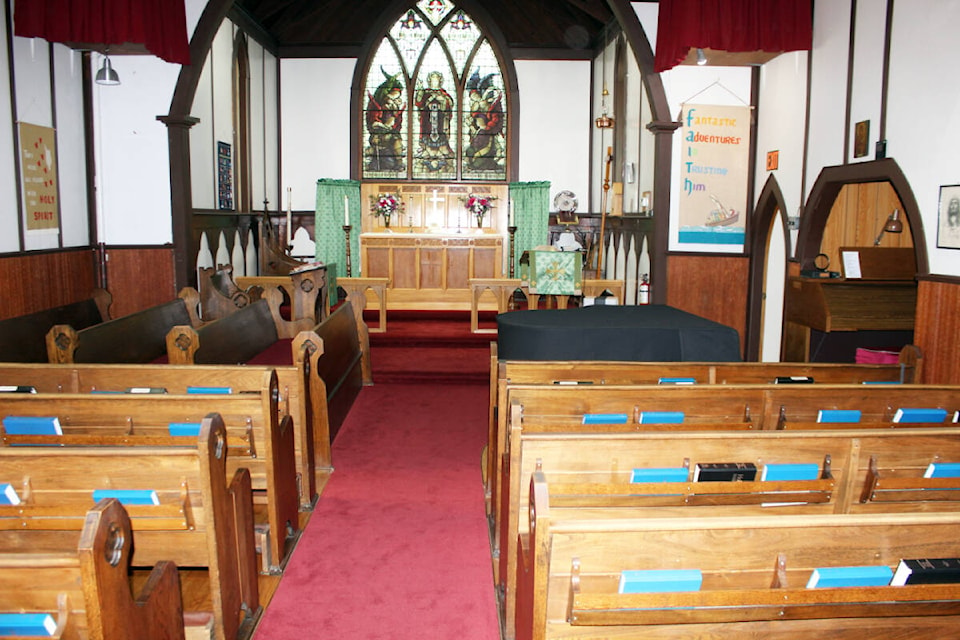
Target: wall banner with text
(715, 156)
(38, 162)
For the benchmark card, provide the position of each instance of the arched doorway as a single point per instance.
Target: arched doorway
(768, 268)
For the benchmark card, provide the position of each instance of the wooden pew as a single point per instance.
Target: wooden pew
(754, 576)
(201, 521)
(861, 472)
(340, 372)
(305, 287)
(257, 440)
(87, 590)
(138, 337)
(305, 405)
(23, 338)
(511, 372)
(726, 407)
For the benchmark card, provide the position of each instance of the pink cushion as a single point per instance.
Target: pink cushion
(278, 353)
(876, 356)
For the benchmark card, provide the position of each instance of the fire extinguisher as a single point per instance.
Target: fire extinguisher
(643, 296)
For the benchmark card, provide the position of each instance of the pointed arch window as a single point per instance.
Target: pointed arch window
(434, 101)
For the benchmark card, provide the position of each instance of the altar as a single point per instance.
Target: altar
(432, 249)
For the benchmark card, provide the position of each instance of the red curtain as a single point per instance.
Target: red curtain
(731, 25)
(159, 25)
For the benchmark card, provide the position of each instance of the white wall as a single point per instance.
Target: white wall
(555, 124)
(9, 214)
(315, 128)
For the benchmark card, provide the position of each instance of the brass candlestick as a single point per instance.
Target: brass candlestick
(346, 233)
(512, 230)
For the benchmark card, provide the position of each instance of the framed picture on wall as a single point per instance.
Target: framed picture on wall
(948, 220)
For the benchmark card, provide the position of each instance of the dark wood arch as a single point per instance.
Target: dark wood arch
(825, 191)
(769, 205)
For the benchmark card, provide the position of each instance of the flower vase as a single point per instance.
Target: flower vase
(386, 220)
(479, 221)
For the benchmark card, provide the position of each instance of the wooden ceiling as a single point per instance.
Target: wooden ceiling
(325, 28)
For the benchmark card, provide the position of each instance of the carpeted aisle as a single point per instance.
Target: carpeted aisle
(397, 547)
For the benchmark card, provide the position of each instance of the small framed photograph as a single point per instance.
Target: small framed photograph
(948, 220)
(861, 139)
(773, 160)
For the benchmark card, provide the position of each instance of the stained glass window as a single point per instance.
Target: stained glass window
(434, 100)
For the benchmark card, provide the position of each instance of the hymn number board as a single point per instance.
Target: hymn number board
(436, 208)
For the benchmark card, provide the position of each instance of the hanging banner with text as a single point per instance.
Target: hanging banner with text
(713, 172)
(38, 162)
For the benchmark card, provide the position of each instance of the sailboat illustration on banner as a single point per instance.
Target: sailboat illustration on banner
(721, 216)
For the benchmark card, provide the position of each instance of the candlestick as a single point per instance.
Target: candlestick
(346, 233)
(346, 211)
(510, 212)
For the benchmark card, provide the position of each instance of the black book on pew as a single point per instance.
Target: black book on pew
(927, 571)
(17, 389)
(724, 472)
(793, 380)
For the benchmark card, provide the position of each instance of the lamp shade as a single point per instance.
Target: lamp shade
(106, 74)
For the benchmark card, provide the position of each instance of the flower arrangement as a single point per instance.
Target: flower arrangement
(479, 206)
(385, 204)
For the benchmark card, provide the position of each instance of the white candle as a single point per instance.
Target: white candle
(289, 216)
(346, 211)
(510, 212)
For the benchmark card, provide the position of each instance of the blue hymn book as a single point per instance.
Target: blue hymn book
(27, 624)
(911, 415)
(865, 576)
(127, 496)
(660, 474)
(32, 426)
(790, 471)
(838, 415)
(660, 580)
(184, 428)
(660, 417)
(604, 418)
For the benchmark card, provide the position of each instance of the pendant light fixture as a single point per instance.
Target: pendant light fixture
(106, 75)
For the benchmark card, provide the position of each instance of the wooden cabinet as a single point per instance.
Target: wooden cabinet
(431, 271)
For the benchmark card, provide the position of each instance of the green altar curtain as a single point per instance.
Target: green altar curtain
(531, 215)
(329, 234)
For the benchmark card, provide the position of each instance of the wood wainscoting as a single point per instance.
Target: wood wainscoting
(139, 277)
(40, 280)
(937, 329)
(713, 286)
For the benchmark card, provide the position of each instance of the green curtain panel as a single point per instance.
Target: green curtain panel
(531, 211)
(331, 240)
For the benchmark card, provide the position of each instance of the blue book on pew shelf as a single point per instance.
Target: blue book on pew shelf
(881, 382)
(942, 470)
(210, 390)
(27, 624)
(677, 381)
(790, 471)
(604, 418)
(865, 576)
(184, 429)
(8, 495)
(838, 415)
(660, 417)
(660, 580)
(127, 496)
(911, 415)
(32, 425)
(660, 474)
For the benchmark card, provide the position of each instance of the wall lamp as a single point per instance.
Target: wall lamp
(106, 75)
(893, 225)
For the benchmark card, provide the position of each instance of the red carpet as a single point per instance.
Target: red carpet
(397, 547)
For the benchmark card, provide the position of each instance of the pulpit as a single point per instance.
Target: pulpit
(553, 273)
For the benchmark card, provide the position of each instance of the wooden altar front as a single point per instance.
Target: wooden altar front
(432, 250)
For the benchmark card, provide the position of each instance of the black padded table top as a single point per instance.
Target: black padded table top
(651, 333)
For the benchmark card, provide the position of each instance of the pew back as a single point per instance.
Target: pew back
(754, 576)
(23, 338)
(200, 520)
(257, 439)
(589, 475)
(86, 590)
